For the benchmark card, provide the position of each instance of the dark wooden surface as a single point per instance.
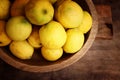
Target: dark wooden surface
(101, 62)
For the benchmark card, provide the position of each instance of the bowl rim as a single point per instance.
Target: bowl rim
(67, 62)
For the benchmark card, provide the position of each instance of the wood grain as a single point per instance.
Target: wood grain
(105, 28)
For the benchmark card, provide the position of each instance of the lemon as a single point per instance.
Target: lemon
(21, 49)
(86, 24)
(58, 3)
(34, 39)
(69, 14)
(51, 54)
(39, 12)
(18, 28)
(4, 9)
(52, 35)
(4, 39)
(74, 42)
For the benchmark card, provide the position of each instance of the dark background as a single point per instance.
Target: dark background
(101, 62)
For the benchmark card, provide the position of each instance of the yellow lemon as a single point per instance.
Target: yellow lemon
(34, 39)
(51, 54)
(52, 35)
(86, 24)
(4, 9)
(18, 28)
(59, 2)
(4, 39)
(69, 14)
(75, 40)
(39, 12)
(21, 49)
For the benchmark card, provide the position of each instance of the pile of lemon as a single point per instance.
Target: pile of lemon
(51, 26)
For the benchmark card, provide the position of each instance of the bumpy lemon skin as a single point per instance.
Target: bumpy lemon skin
(4, 39)
(21, 49)
(86, 24)
(39, 12)
(51, 54)
(4, 9)
(52, 35)
(69, 14)
(74, 42)
(18, 28)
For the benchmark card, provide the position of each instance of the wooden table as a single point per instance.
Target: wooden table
(101, 62)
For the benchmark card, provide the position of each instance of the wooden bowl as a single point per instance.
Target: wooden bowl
(38, 64)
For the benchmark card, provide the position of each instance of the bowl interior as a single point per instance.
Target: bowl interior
(38, 63)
